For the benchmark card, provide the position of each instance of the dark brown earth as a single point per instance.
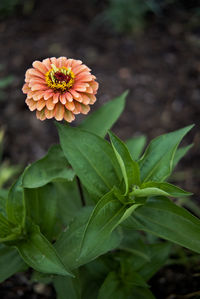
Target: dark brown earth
(160, 67)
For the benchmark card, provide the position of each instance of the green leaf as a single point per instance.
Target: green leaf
(92, 159)
(133, 243)
(10, 262)
(106, 216)
(180, 153)
(136, 145)
(129, 168)
(115, 287)
(157, 162)
(147, 192)
(69, 243)
(67, 286)
(15, 205)
(142, 293)
(170, 189)
(5, 227)
(42, 208)
(163, 218)
(158, 255)
(39, 254)
(3, 199)
(101, 120)
(51, 167)
(68, 201)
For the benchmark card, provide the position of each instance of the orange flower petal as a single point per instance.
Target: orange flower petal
(63, 99)
(56, 97)
(31, 104)
(41, 104)
(49, 103)
(49, 113)
(69, 96)
(85, 108)
(69, 116)
(40, 115)
(59, 111)
(70, 106)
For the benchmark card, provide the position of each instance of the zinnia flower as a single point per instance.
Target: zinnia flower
(60, 88)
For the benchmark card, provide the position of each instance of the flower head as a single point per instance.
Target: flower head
(60, 88)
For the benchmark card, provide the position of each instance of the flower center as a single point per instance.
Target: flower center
(60, 79)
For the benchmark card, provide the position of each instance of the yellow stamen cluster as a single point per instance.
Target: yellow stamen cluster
(56, 85)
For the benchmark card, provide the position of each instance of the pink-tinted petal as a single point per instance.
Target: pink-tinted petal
(69, 97)
(80, 87)
(48, 94)
(62, 61)
(54, 61)
(40, 66)
(63, 99)
(47, 63)
(37, 95)
(37, 86)
(75, 95)
(78, 69)
(56, 97)
(36, 73)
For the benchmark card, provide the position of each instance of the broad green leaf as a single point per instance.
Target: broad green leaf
(180, 153)
(129, 168)
(39, 254)
(51, 167)
(142, 293)
(42, 208)
(92, 275)
(5, 227)
(115, 287)
(172, 190)
(68, 200)
(163, 218)
(133, 243)
(92, 159)
(3, 199)
(158, 255)
(157, 162)
(69, 243)
(15, 205)
(67, 286)
(136, 145)
(101, 120)
(106, 216)
(10, 262)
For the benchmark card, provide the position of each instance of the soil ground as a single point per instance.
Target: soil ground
(160, 67)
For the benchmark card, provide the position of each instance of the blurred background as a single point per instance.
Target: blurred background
(150, 47)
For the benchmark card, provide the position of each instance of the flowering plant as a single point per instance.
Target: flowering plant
(82, 216)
